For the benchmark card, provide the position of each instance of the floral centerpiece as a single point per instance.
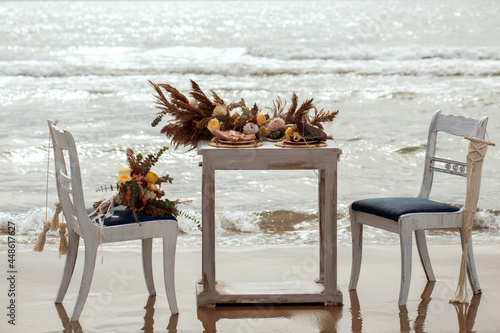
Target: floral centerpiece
(197, 118)
(201, 118)
(139, 189)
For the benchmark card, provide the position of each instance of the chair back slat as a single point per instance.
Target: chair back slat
(453, 125)
(68, 179)
(65, 182)
(460, 126)
(451, 167)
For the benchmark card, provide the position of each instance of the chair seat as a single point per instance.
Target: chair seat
(122, 216)
(393, 208)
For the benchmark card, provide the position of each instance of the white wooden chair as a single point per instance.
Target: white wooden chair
(123, 228)
(402, 215)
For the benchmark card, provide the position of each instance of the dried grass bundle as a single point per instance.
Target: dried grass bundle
(322, 116)
(188, 120)
(132, 161)
(302, 112)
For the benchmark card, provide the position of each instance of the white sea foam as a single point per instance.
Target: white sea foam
(239, 228)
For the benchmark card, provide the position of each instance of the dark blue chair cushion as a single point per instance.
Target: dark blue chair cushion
(393, 208)
(125, 217)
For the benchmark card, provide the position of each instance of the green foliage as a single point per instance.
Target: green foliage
(147, 163)
(165, 204)
(165, 179)
(105, 188)
(134, 192)
(157, 120)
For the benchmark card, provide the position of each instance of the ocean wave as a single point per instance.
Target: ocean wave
(362, 69)
(266, 61)
(388, 53)
(298, 227)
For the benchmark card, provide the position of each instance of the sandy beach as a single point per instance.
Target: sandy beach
(118, 300)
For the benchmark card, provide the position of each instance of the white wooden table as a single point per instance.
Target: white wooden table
(269, 157)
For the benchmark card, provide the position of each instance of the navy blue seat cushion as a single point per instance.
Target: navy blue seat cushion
(125, 217)
(393, 208)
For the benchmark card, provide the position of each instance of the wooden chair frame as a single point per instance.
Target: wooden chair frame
(70, 192)
(419, 222)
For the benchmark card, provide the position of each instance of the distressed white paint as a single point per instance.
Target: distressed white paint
(69, 187)
(270, 157)
(419, 222)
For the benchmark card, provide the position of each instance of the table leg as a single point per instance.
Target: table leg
(330, 231)
(208, 225)
(321, 217)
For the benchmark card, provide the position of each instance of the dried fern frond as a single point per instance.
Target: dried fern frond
(174, 93)
(163, 103)
(187, 121)
(289, 116)
(304, 109)
(217, 99)
(254, 111)
(132, 161)
(278, 108)
(181, 102)
(204, 102)
(322, 116)
(234, 105)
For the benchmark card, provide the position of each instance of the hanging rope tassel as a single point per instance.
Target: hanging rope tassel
(40, 242)
(54, 221)
(475, 156)
(461, 295)
(63, 241)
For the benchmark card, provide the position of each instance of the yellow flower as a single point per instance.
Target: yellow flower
(288, 132)
(152, 187)
(263, 129)
(125, 171)
(123, 178)
(151, 177)
(213, 124)
(261, 119)
(219, 110)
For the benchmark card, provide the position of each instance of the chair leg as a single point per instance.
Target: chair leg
(147, 265)
(406, 249)
(357, 250)
(88, 274)
(169, 246)
(471, 265)
(73, 242)
(424, 254)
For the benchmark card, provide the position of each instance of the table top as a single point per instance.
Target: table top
(204, 147)
(269, 157)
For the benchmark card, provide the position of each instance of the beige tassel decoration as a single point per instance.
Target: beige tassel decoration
(40, 242)
(63, 241)
(54, 221)
(475, 156)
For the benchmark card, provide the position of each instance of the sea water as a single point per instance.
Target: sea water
(386, 65)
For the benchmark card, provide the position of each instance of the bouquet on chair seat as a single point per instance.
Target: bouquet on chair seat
(139, 189)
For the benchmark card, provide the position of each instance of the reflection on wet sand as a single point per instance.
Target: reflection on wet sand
(69, 326)
(356, 321)
(148, 327)
(466, 313)
(324, 318)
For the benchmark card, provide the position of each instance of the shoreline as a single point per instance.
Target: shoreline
(118, 300)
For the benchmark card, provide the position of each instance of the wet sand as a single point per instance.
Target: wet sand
(118, 300)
